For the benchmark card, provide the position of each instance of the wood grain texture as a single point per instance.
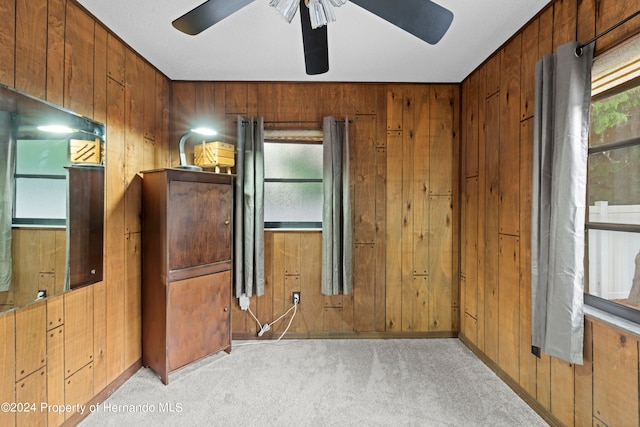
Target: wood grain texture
(364, 287)
(132, 299)
(564, 22)
(31, 47)
(393, 238)
(100, 75)
(115, 226)
(441, 264)
(78, 63)
(443, 129)
(562, 391)
(381, 215)
(527, 360)
(529, 42)
(615, 376)
(55, 50)
(584, 380)
(31, 339)
(509, 155)
(78, 344)
(491, 224)
(31, 391)
(100, 336)
(471, 248)
(78, 389)
(409, 138)
(7, 364)
(509, 303)
(482, 191)
(115, 59)
(55, 373)
(363, 162)
(543, 382)
(471, 128)
(8, 43)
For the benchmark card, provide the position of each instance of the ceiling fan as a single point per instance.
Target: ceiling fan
(423, 18)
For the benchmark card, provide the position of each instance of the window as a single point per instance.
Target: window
(40, 182)
(613, 188)
(293, 182)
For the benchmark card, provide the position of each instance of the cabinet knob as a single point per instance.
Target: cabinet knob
(226, 222)
(226, 309)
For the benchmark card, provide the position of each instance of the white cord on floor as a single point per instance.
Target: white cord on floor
(267, 326)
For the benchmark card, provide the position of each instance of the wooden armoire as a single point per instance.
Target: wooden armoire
(186, 267)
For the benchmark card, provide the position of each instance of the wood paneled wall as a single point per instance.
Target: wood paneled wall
(495, 281)
(405, 174)
(69, 349)
(404, 156)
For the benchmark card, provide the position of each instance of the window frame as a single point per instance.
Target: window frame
(293, 139)
(605, 87)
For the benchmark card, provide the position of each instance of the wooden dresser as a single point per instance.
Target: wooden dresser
(186, 267)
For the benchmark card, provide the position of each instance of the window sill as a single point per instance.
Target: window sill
(293, 229)
(611, 320)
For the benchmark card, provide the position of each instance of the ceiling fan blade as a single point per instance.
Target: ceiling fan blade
(316, 47)
(208, 13)
(423, 18)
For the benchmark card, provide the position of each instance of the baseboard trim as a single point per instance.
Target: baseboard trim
(105, 393)
(517, 388)
(345, 335)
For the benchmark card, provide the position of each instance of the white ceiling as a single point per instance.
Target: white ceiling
(256, 44)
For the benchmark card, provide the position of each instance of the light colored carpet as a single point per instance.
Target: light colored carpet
(408, 382)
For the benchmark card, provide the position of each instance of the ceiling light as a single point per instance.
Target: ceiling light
(320, 11)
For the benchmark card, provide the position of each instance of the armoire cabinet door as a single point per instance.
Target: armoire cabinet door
(198, 320)
(199, 224)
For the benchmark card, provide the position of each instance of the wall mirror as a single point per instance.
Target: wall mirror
(51, 199)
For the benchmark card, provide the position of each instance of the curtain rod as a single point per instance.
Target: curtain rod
(579, 49)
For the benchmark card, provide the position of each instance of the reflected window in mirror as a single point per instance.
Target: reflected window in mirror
(41, 182)
(52, 199)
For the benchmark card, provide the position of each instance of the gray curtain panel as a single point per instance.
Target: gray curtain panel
(249, 208)
(7, 167)
(336, 213)
(561, 129)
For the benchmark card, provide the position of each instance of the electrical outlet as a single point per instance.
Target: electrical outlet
(295, 298)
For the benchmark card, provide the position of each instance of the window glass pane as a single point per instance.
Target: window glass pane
(292, 202)
(614, 177)
(287, 160)
(41, 198)
(42, 157)
(616, 116)
(612, 265)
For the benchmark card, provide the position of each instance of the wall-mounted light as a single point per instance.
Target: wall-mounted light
(183, 139)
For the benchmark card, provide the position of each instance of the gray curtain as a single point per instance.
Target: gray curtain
(561, 125)
(249, 208)
(7, 165)
(336, 213)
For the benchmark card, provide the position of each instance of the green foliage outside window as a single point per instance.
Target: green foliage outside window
(614, 175)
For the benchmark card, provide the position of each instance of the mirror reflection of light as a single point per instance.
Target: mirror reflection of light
(56, 129)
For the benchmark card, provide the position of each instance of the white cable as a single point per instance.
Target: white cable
(295, 310)
(254, 316)
(267, 326)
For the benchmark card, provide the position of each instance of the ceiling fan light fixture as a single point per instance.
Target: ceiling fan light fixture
(286, 8)
(320, 13)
